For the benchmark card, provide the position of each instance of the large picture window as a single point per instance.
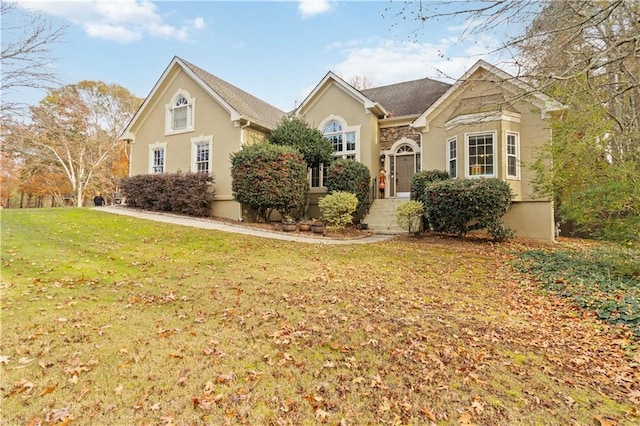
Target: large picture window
(343, 141)
(481, 155)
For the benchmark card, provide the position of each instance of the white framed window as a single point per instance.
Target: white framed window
(481, 154)
(201, 158)
(452, 157)
(343, 139)
(180, 113)
(513, 155)
(157, 157)
(318, 176)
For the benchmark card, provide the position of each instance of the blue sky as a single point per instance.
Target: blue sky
(275, 50)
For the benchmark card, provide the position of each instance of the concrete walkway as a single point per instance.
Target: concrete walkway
(238, 229)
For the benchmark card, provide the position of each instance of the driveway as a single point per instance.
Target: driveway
(238, 229)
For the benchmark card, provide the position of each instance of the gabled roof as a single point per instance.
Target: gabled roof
(244, 103)
(506, 80)
(330, 77)
(480, 104)
(407, 98)
(240, 104)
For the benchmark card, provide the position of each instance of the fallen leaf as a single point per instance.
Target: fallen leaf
(83, 392)
(321, 415)
(477, 406)
(155, 407)
(48, 390)
(465, 420)
(602, 421)
(429, 414)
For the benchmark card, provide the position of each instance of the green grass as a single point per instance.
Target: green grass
(113, 320)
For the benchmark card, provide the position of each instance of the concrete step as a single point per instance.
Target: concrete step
(382, 216)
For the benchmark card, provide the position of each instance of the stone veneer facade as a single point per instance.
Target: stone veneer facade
(390, 135)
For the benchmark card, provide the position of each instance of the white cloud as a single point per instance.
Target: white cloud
(311, 8)
(111, 32)
(199, 23)
(122, 21)
(389, 62)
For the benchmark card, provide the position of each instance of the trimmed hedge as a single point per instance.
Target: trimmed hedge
(269, 177)
(421, 179)
(183, 193)
(338, 208)
(349, 176)
(462, 205)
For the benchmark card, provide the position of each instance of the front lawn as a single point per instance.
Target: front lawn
(114, 320)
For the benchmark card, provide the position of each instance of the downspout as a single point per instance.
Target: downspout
(247, 124)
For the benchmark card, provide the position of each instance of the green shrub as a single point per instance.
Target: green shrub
(269, 177)
(421, 179)
(182, 193)
(409, 216)
(605, 279)
(462, 205)
(338, 208)
(308, 141)
(349, 176)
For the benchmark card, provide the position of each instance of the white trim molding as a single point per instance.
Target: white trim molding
(483, 117)
(190, 107)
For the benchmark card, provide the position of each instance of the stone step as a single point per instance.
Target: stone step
(382, 216)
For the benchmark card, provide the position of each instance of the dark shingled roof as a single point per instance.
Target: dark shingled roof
(408, 98)
(246, 104)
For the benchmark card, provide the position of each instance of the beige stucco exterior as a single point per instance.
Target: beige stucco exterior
(211, 122)
(530, 216)
(485, 100)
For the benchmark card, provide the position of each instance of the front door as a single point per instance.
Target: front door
(405, 169)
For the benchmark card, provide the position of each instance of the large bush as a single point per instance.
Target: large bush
(269, 177)
(421, 179)
(462, 205)
(338, 208)
(183, 193)
(349, 176)
(309, 142)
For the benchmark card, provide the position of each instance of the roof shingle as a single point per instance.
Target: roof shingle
(407, 98)
(246, 104)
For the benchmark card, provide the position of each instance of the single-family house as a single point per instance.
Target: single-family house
(487, 124)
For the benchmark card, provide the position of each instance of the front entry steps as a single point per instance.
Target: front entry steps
(382, 216)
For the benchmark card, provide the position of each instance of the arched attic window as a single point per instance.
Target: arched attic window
(180, 113)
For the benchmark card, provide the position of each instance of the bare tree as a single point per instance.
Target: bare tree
(27, 53)
(362, 82)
